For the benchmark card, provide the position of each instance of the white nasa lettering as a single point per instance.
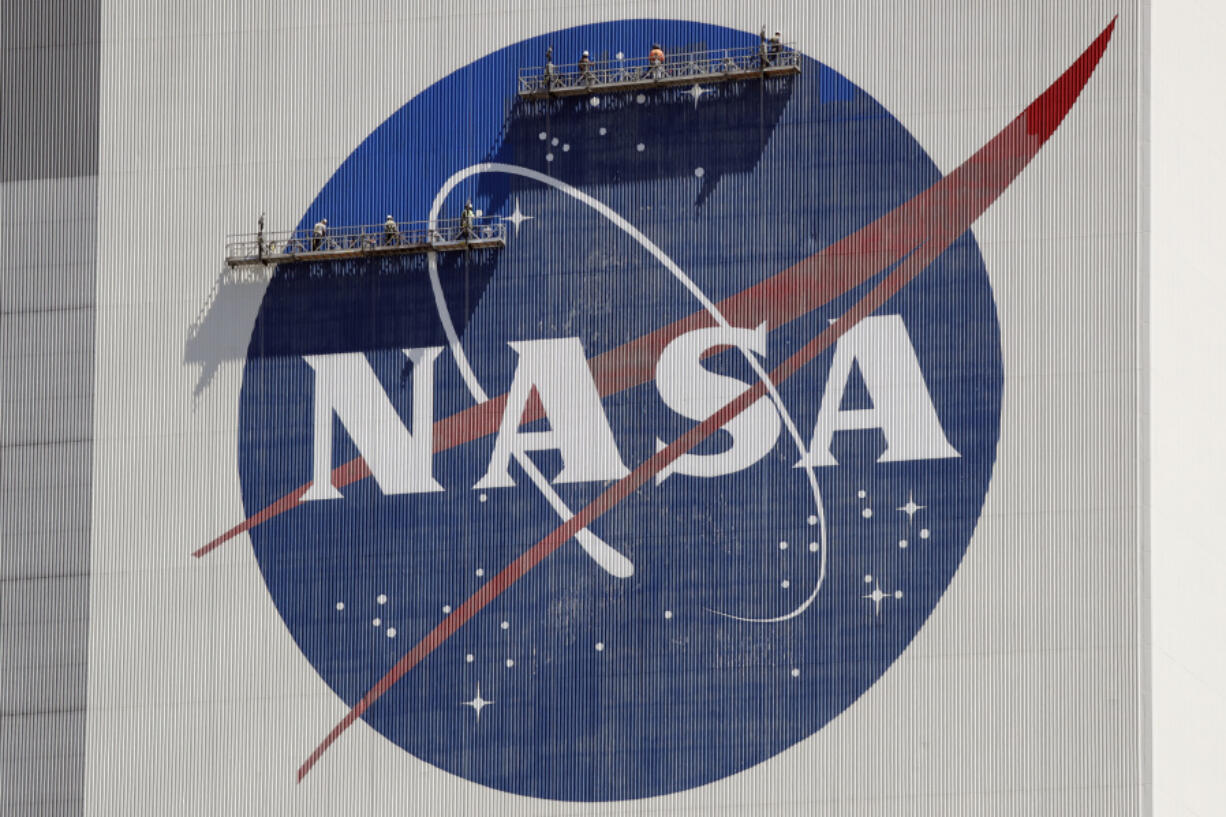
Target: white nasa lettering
(579, 429)
(346, 386)
(692, 391)
(902, 407)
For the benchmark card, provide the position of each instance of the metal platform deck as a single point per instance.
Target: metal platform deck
(365, 241)
(637, 73)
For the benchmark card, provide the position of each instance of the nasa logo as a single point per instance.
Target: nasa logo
(662, 487)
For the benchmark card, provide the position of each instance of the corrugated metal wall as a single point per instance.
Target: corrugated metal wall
(163, 127)
(48, 228)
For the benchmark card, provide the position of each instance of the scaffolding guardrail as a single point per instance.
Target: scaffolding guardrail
(366, 241)
(633, 73)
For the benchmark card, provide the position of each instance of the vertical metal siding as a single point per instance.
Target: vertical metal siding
(1023, 694)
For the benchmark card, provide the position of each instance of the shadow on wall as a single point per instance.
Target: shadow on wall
(331, 307)
(648, 135)
(363, 305)
(218, 332)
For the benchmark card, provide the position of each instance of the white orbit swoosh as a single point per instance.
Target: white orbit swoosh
(608, 558)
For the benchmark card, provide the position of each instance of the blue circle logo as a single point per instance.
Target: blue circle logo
(662, 486)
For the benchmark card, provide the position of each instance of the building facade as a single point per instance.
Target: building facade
(477, 411)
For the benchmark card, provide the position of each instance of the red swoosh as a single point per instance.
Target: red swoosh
(923, 227)
(787, 295)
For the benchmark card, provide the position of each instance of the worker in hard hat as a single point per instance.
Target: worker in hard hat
(655, 59)
(549, 70)
(318, 233)
(466, 220)
(391, 231)
(585, 68)
(776, 45)
(259, 236)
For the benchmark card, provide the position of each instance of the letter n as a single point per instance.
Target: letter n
(347, 389)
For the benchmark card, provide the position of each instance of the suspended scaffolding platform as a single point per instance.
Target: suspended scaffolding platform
(366, 241)
(638, 73)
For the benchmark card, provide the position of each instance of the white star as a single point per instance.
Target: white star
(697, 91)
(910, 508)
(477, 703)
(517, 217)
(878, 595)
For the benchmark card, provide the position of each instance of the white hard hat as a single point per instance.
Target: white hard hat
(585, 53)
(389, 215)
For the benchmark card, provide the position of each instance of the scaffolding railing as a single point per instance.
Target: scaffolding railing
(366, 241)
(718, 65)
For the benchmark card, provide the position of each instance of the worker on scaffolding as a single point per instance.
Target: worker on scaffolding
(259, 236)
(550, 73)
(319, 233)
(391, 231)
(466, 221)
(655, 60)
(776, 46)
(585, 68)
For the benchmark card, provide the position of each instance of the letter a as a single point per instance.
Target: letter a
(692, 391)
(579, 430)
(346, 386)
(902, 407)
